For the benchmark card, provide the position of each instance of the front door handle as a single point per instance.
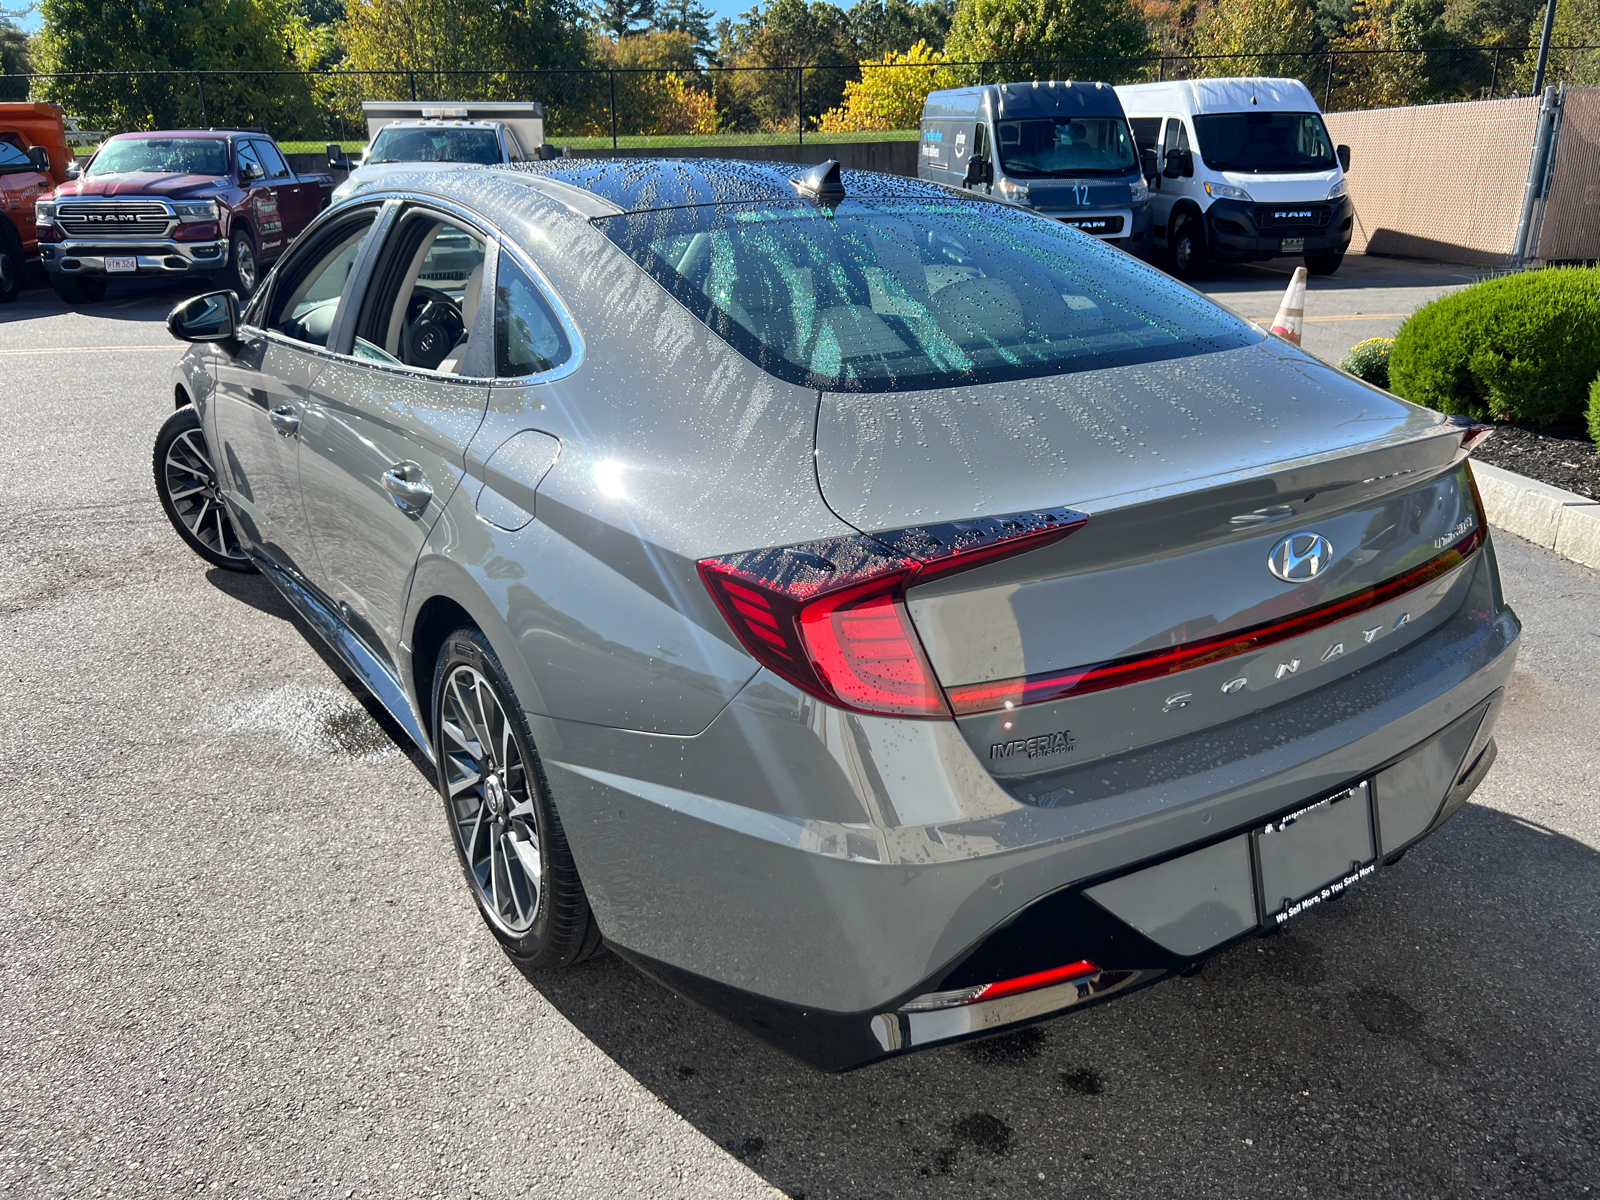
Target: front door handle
(285, 420)
(407, 486)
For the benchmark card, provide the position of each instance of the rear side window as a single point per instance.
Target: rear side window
(528, 340)
(891, 294)
(1146, 131)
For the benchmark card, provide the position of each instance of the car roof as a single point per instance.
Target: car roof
(646, 184)
(215, 134)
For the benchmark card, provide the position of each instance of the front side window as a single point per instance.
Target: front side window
(162, 156)
(249, 161)
(879, 295)
(305, 297)
(1040, 147)
(528, 339)
(10, 156)
(423, 298)
(1265, 142)
(413, 144)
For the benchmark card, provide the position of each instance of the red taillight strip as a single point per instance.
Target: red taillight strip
(1081, 969)
(971, 698)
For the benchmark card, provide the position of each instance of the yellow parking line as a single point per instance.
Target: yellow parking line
(85, 349)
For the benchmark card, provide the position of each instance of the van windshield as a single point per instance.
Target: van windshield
(1264, 142)
(883, 295)
(414, 144)
(1039, 147)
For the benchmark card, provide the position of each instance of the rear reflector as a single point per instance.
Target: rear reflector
(1071, 973)
(971, 698)
(830, 616)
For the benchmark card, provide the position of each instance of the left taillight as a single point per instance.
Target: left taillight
(830, 616)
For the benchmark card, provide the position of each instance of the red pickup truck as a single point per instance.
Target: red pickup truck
(217, 202)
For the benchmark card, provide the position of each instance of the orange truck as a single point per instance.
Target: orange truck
(34, 158)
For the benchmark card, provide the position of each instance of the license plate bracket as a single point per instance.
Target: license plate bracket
(121, 265)
(1292, 246)
(1313, 854)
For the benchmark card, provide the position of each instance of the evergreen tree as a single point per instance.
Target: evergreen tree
(619, 18)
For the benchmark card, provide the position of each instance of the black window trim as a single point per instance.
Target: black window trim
(574, 360)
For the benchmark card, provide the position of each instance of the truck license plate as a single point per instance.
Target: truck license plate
(1292, 246)
(120, 266)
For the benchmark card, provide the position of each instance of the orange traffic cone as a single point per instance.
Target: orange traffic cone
(1293, 309)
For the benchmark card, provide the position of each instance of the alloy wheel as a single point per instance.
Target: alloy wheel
(244, 266)
(492, 811)
(191, 485)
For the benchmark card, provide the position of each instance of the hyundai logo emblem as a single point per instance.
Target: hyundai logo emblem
(1299, 557)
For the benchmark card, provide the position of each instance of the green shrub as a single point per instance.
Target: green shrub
(1369, 360)
(1520, 348)
(1594, 413)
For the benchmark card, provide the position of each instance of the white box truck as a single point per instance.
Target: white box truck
(1246, 171)
(411, 135)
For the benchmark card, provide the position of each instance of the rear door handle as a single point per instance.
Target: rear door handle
(408, 487)
(285, 420)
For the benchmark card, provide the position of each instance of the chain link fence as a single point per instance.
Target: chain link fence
(596, 108)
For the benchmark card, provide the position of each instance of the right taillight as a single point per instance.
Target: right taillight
(830, 616)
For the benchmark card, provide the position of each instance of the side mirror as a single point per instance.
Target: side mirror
(39, 157)
(1179, 163)
(1344, 157)
(213, 317)
(336, 159)
(248, 174)
(978, 171)
(1147, 163)
(74, 169)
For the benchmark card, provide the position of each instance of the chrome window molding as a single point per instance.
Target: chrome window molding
(553, 299)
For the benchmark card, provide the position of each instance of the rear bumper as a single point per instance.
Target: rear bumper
(1234, 232)
(153, 258)
(833, 866)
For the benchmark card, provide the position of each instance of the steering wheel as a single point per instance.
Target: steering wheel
(433, 327)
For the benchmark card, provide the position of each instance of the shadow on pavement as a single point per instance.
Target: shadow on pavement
(136, 300)
(1432, 1034)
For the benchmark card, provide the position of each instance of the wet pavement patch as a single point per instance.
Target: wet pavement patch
(1383, 1012)
(984, 1132)
(1082, 1081)
(318, 722)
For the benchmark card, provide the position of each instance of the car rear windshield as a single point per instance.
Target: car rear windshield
(885, 295)
(435, 145)
(1046, 146)
(162, 156)
(1265, 142)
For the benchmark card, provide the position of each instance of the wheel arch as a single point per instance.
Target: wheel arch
(1184, 210)
(437, 619)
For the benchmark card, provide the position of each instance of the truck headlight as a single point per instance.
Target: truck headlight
(45, 211)
(1015, 192)
(195, 210)
(1339, 188)
(1226, 191)
(1139, 192)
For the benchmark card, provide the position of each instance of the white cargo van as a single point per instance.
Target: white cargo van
(435, 134)
(1060, 147)
(1245, 171)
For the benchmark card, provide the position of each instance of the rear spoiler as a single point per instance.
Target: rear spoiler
(525, 117)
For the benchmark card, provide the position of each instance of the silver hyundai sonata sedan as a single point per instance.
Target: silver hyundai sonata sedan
(883, 615)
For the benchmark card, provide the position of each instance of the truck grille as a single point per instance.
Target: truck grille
(1292, 216)
(114, 218)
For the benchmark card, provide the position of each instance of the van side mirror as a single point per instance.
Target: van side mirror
(978, 171)
(336, 159)
(1147, 164)
(39, 157)
(1344, 157)
(213, 317)
(1179, 163)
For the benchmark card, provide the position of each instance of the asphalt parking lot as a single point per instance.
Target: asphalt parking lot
(236, 957)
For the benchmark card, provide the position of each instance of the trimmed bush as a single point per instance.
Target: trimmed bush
(1594, 413)
(1369, 360)
(1521, 348)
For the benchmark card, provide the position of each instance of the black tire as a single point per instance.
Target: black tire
(1188, 246)
(1324, 264)
(242, 275)
(502, 800)
(11, 261)
(186, 481)
(79, 289)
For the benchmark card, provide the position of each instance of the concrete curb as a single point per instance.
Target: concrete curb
(1561, 521)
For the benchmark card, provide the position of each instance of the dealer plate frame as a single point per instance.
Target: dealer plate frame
(1274, 912)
